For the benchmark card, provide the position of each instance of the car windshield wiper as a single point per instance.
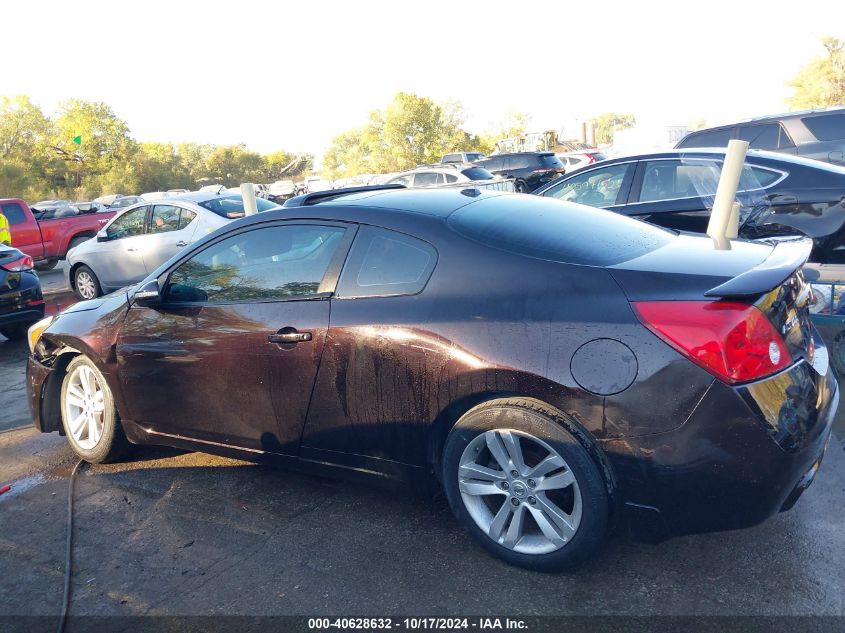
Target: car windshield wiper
(756, 211)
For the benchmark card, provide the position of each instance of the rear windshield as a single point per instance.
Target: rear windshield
(477, 173)
(557, 231)
(233, 206)
(551, 161)
(826, 127)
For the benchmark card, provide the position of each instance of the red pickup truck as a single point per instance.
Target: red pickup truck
(49, 241)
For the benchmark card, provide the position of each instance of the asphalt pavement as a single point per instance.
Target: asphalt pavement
(167, 532)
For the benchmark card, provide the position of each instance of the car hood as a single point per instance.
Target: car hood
(111, 301)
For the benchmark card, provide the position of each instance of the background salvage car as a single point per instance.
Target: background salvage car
(358, 332)
(143, 237)
(780, 195)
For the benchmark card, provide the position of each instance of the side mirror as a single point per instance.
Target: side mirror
(102, 236)
(148, 295)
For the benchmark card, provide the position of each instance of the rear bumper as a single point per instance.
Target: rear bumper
(744, 454)
(24, 304)
(30, 314)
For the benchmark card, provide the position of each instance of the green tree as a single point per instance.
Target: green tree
(606, 124)
(411, 130)
(103, 139)
(234, 164)
(821, 82)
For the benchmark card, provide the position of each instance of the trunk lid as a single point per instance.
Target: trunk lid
(766, 275)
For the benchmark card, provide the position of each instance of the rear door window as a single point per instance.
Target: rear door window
(385, 263)
(672, 179)
(826, 127)
(165, 218)
(428, 179)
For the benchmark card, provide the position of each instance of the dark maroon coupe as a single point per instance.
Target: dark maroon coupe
(559, 369)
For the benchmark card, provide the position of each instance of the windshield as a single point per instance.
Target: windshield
(233, 206)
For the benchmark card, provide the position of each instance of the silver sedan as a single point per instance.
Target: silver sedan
(144, 236)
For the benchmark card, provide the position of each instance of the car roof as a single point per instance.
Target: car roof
(772, 117)
(538, 153)
(198, 196)
(436, 202)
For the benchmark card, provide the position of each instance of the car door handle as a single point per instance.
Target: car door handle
(132, 250)
(282, 338)
(181, 243)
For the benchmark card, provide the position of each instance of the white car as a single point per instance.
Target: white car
(577, 160)
(439, 176)
(141, 238)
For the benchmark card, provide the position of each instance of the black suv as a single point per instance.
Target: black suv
(529, 170)
(818, 134)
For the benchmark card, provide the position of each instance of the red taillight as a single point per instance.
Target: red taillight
(18, 265)
(734, 341)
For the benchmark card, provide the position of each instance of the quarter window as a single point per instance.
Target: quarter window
(185, 218)
(596, 188)
(129, 224)
(385, 263)
(826, 127)
(765, 136)
(710, 138)
(278, 262)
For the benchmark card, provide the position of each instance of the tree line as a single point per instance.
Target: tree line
(87, 151)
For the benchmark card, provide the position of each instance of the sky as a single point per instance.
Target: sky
(292, 75)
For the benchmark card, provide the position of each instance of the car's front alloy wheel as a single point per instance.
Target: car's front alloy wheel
(89, 416)
(524, 486)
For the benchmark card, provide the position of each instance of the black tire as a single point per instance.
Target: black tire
(45, 266)
(96, 282)
(77, 241)
(14, 332)
(535, 419)
(519, 186)
(837, 353)
(112, 443)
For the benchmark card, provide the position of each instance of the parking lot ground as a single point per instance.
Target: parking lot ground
(166, 532)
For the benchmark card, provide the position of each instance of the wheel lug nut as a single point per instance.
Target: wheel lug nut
(505, 485)
(531, 483)
(532, 500)
(515, 501)
(514, 473)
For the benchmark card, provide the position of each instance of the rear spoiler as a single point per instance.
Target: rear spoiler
(786, 257)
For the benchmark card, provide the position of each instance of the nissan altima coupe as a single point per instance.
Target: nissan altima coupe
(557, 369)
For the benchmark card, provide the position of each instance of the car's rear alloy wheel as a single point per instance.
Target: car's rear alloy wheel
(528, 509)
(89, 416)
(524, 486)
(85, 283)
